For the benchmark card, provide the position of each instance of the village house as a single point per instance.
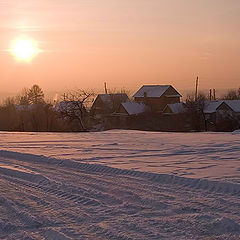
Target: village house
(157, 96)
(128, 114)
(108, 103)
(175, 108)
(234, 106)
(132, 109)
(210, 109)
(221, 108)
(222, 112)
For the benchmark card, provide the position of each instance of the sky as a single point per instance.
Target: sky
(85, 43)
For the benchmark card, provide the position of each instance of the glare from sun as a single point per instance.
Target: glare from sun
(24, 49)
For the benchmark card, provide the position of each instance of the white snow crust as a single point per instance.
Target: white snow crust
(153, 91)
(119, 185)
(134, 108)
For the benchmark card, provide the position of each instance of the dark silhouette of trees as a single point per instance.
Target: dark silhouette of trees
(22, 97)
(35, 95)
(195, 111)
(232, 95)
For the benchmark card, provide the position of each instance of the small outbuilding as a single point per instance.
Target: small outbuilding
(132, 108)
(108, 103)
(175, 108)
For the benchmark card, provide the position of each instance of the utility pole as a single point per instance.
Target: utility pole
(105, 88)
(210, 94)
(196, 91)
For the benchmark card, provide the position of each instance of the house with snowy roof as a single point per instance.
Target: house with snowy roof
(217, 111)
(175, 108)
(108, 103)
(157, 96)
(222, 106)
(233, 105)
(132, 109)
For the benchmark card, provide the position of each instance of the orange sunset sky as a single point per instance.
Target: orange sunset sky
(127, 43)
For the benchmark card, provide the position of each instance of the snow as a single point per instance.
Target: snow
(211, 106)
(236, 131)
(67, 106)
(234, 105)
(26, 107)
(177, 107)
(134, 108)
(153, 91)
(119, 185)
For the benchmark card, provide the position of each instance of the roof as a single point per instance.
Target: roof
(234, 105)
(26, 107)
(177, 107)
(154, 91)
(134, 108)
(67, 106)
(211, 106)
(112, 100)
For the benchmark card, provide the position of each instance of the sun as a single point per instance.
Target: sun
(24, 49)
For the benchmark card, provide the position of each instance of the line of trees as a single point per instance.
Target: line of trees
(28, 111)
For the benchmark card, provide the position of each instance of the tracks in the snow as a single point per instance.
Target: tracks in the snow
(71, 200)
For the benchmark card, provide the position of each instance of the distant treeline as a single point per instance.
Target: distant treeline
(28, 111)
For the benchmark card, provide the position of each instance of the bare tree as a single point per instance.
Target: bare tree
(74, 106)
(195, 109)
(232, 95)
(22, 97)
(122, 90)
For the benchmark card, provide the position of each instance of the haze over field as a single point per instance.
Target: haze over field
(126, 43)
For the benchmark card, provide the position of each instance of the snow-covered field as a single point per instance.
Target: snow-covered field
(119, 185)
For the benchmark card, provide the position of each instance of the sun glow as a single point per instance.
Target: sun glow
(24, 49)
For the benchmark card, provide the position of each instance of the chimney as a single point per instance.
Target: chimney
(214, 94)
(105, 88)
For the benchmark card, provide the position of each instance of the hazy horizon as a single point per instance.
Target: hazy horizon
(124, 43)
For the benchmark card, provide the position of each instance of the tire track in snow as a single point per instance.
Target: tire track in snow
(203, 184)
(130, 205)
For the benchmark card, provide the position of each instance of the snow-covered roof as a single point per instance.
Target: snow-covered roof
(134, 108)
(26, 107)
(211, 106)
(153, 91)
(177, 108)
(234, 105)
(68, 106)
